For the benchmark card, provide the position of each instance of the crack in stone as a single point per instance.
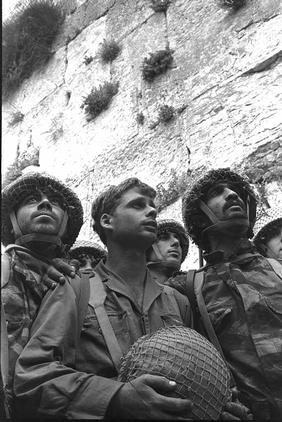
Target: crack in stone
(265, 64)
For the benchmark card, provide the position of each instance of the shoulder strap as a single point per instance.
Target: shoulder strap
(97, 300)
(189, 290)
(82, 292)
(198, 283)
(5, 274)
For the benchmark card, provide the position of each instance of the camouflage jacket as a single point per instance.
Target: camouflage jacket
(244, 300)
(21, 295)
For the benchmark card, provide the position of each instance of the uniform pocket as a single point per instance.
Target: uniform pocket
(274, 303)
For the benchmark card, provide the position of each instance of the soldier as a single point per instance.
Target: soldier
(268, 233)
(166, 255)
(41, 217)
(65, 372)
(238, 289)
(86, 254)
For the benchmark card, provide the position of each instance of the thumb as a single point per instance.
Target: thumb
(160, 383)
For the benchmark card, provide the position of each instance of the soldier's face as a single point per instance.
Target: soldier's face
(133, 222)
(225, 202)
(40, 213)
(274, 246)
(169, 248)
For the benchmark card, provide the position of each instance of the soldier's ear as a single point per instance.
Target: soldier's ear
(106, 221)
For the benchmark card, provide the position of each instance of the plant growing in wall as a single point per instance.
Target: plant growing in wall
(99, 99)
(16, 117)
(27, 39)
(156, 64)
(109, 50)
(160, 5)
(140, 118)
(168, 194)
(232, 4)
(166, 113)
(87, 60)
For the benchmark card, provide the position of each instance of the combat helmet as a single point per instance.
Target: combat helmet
(169, 225)
(195, 218)
(87, 247)
(267, 221)
(14, 192)
(164, 226)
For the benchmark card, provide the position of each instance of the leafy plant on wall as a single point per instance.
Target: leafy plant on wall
(232, 4)
(109, 50)
(160, 5)
(156, 64)
(27, 39)
(99, 99)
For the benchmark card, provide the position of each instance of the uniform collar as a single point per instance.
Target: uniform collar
(245, 250)
(117, 284)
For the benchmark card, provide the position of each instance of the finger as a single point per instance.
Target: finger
(159, 383)
(64, 267)
(49, 283)
(178, 406)
(55, 275)
(226, 416)
(237, 409)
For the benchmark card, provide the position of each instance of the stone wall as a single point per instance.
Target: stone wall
(225, 86)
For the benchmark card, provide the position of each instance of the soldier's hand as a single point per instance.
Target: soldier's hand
(236, 411)
(52, 272)
(143, 398)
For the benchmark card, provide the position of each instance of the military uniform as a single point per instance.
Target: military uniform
(243, 297)
(56, 375)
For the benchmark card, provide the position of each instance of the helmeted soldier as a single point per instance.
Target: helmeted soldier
(85, 254)
(239, 289)
(41, 218)
(268, 233)
(169, 251)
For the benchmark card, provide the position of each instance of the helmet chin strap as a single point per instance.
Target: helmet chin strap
(22, 239)
(232, 226)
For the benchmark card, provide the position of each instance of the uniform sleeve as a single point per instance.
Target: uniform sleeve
(46, 382)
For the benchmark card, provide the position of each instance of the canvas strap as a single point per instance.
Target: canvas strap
(97, 300)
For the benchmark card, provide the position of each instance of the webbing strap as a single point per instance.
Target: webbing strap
(198, 284)
(82, 292)
(97, 300)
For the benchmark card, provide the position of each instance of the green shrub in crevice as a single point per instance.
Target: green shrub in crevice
(166, 113)
(110, 49)
(160, 5)
(27, 38)
(16, 117)
(168, 194)
(156, 64)
(99, 99)
(232, 4)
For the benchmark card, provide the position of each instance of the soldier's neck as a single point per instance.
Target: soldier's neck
(228, 245)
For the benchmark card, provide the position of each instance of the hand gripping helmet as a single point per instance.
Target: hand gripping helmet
(186, 357)
(194, 211)
(87, 247)
(16, 191)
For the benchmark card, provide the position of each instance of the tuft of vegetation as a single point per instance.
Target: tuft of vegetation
(156, 64)
(166, 113)
(15, 170)
(16, 118)
(140, 118)
(168, 194)
(232, 4)
(109, 50)
(27, 39)
(87, 60)
(99, 99)
(160, 5)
